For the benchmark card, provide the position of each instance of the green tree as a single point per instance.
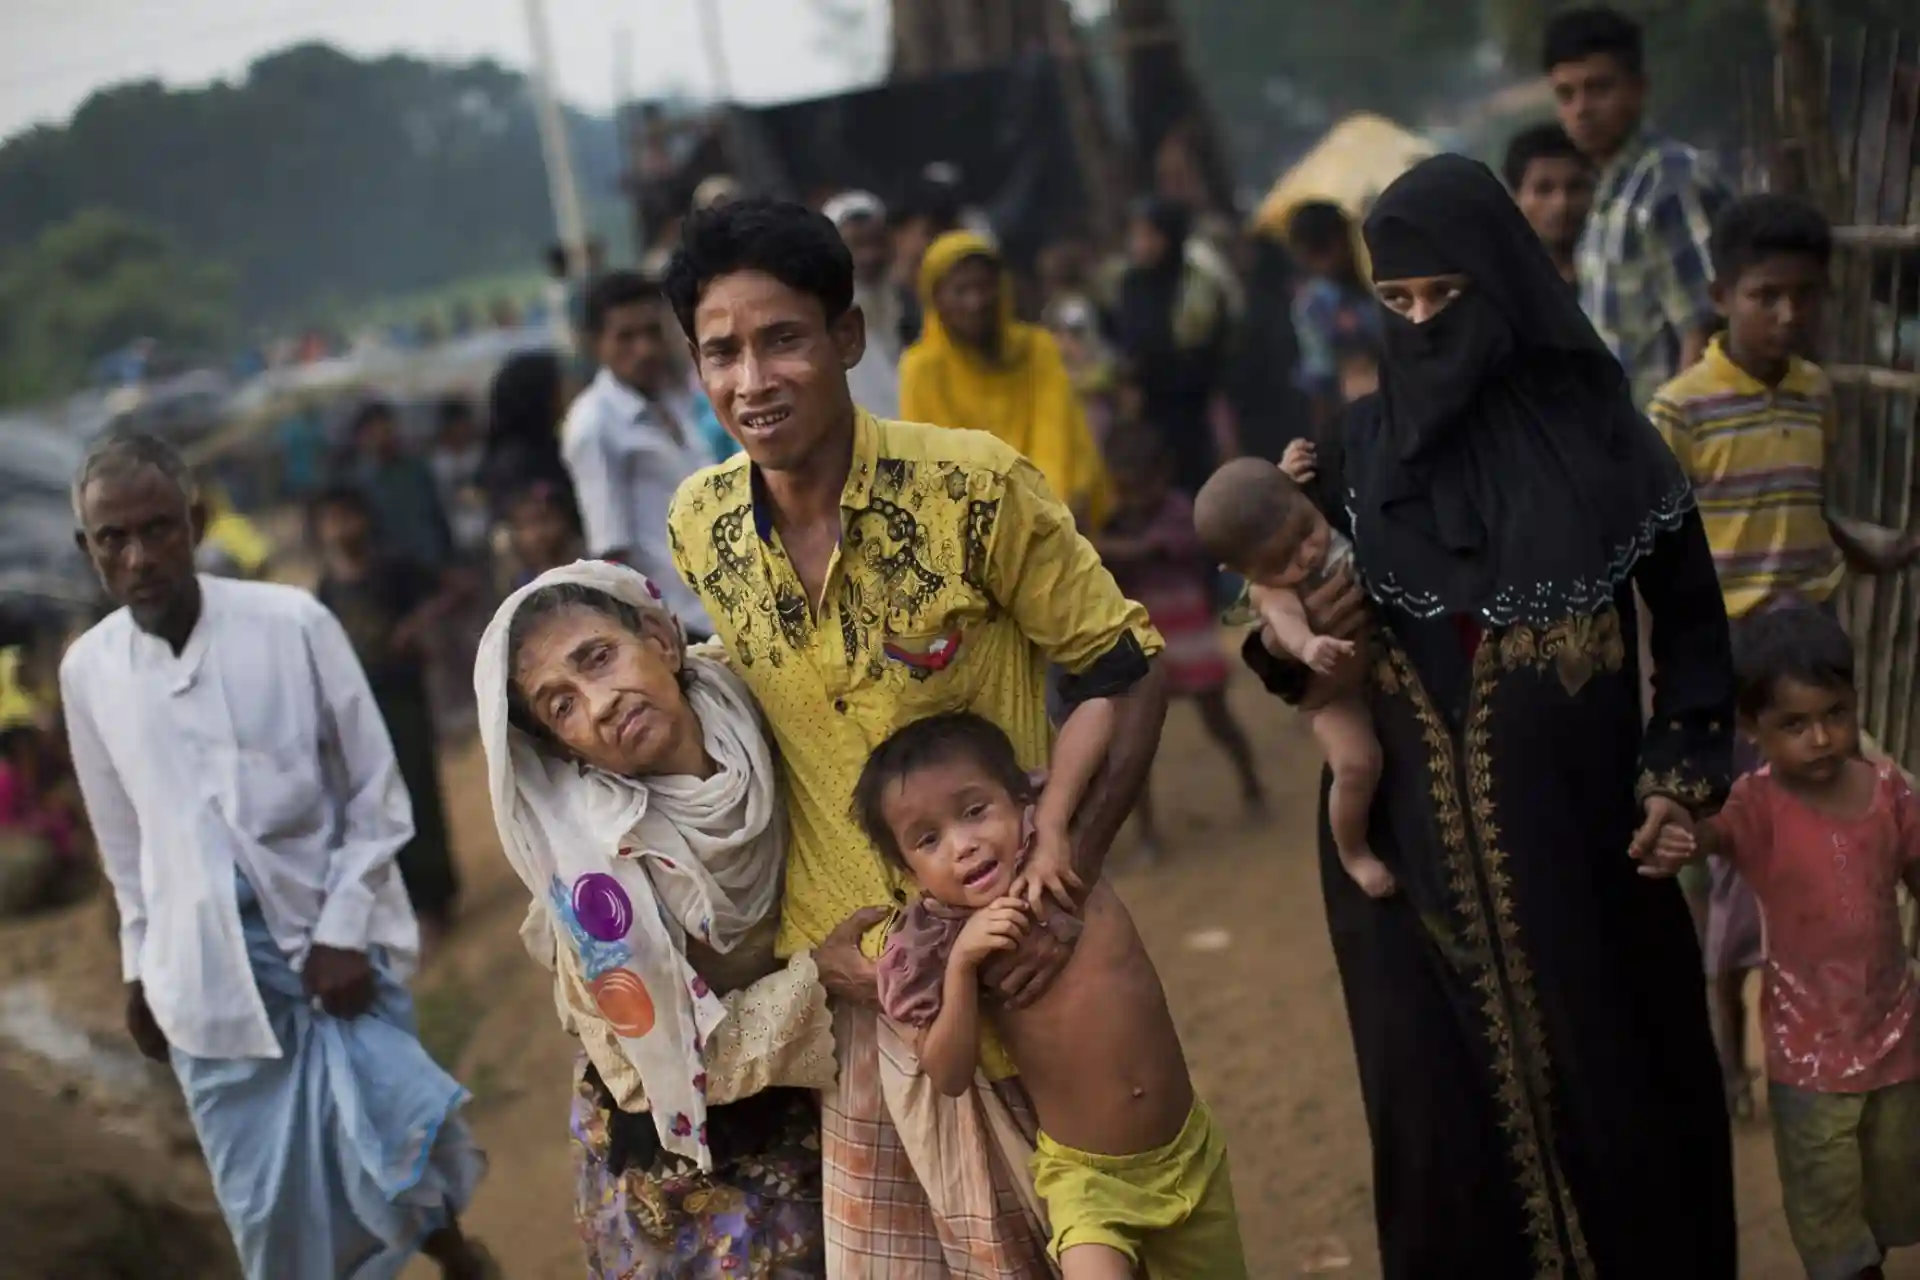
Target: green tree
(92, 284)
(319, 178)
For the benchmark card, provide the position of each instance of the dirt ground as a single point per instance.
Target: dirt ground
(1233, 919)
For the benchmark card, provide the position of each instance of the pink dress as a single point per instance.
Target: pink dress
(1841, 1006)
(1175, 588)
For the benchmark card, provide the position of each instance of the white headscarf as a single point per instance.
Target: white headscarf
(629, 868)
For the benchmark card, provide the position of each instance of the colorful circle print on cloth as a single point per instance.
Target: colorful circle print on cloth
(624, 1002)
(602, 907)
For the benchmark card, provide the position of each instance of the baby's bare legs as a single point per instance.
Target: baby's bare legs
(1095, 1262)
(1344, 730)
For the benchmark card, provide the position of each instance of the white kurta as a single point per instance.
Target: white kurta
(258, 748)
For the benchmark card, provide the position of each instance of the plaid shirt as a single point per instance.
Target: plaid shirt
(1643, 259)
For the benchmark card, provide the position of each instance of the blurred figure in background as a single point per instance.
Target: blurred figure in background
(232, 545)
(1553, 184)
(1269, 409)
(390, 607)
(929, 210)
(862, 221)
(1173, 325)
(1331, 302)
(1154, 554)
(43, 843)
(631, 438)
(1644, 261)
(543, 532)
(525, 403)
(458, 452)
(1091, 368)
(399, 488)
(975, 366)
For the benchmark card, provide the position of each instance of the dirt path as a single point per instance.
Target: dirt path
(1235, 925)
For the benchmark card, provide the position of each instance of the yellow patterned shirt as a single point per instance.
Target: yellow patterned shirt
(959, 577)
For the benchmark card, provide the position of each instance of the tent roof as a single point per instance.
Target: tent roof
(1356, 159)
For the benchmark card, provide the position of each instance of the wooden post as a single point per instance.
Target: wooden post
(1806, 149)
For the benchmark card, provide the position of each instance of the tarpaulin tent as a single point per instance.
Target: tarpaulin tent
(1351, 165)
(1004, 128)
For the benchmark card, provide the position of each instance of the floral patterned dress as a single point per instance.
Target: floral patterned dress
(647, 1215)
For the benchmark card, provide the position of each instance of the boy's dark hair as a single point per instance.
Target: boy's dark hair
(561, 597)
(368, 413)
(1578, 34)
(1755, 228)
(937, 740)
(612, 290)
(1243, 506)
(1319, 226)
(1791, 641)
(1540, 142)
(790, 242)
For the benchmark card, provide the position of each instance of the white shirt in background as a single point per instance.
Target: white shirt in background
(627, 455)
(875, 381)
(257, 748)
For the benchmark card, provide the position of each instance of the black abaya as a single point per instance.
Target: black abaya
(1539, 1081)
(1540, 1084)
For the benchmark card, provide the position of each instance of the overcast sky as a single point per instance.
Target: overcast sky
(56, 52)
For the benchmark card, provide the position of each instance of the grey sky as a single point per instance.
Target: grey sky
(56, 52)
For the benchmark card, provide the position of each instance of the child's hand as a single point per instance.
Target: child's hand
(1323, 653)
(998, 926)
(1300, 461)
(1673, 848)
(1049, 870)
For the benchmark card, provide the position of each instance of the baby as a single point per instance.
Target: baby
(1258, 522)
(1130, 1163)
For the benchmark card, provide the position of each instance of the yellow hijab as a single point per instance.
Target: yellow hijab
(1025, 398)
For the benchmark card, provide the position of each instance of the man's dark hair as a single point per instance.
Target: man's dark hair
(1540, 142)
(936, 740)
(1318, 226)
(1578, 34)
(1755, 228)
(795, 245)
(1794, 641)
(612, 290)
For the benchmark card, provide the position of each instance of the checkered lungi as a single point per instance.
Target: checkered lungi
(919, 1186)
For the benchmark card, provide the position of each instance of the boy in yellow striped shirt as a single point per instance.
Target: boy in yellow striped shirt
(1751, 424)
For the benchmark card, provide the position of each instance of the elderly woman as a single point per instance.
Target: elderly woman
(1540, 1087)
(636, 796)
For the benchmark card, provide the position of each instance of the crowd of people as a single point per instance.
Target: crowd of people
(839, 608)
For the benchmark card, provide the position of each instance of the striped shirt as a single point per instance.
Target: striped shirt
(1757, 458)
(1643, 261)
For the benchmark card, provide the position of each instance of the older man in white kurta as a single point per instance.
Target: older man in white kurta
(248, 808)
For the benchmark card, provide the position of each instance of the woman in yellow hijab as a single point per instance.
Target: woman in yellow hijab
(976, 366)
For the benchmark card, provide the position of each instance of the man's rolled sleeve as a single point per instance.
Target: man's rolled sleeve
(1041, 570)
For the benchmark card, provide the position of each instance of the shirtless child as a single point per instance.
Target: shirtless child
(1258, 522)
(1130, 1163)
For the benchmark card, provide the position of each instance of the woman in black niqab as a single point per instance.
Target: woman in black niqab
(1541, 1089)
(1511, 478)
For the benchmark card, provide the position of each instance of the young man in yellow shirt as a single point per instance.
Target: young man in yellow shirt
(864, 574)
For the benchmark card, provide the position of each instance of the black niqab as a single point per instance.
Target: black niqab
(1503, 471)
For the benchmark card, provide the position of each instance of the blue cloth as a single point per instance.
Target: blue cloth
(339, 1158)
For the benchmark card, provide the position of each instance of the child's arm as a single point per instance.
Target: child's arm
(1078, 752)
(950, 1047)
(1286, 617)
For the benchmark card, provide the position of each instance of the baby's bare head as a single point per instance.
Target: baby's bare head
(1256, 521)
